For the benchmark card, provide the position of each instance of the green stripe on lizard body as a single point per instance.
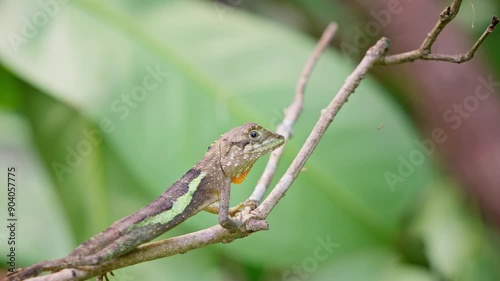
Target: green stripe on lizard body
(178, 206)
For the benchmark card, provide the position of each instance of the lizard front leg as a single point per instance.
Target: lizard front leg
(224, 219)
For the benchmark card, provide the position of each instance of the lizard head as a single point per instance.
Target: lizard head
(242, 146)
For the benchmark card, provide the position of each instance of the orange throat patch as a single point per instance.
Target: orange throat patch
(239, 178)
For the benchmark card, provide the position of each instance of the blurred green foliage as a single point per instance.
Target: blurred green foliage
(104, 105)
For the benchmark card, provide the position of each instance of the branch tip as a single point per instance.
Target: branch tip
(446, 13)
(494, 22)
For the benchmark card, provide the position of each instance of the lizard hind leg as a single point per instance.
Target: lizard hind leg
(214, 208)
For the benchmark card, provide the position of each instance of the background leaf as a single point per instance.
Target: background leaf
(127, 97)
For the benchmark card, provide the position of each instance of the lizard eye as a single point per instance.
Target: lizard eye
(253, 135)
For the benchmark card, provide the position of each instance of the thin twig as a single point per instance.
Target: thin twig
(292, 112)
(424, 52)
(373, 55)
(446, 16)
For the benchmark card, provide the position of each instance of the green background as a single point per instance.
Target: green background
(220, 67)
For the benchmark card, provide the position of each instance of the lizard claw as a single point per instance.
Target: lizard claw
(232, 225)
(105, 276)
(238, 208)
(252, 204)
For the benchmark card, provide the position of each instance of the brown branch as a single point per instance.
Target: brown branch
(446, 16)
(292, 113)
(373, 55)
(147, 252)
(420, 54)
(160, 249)
(424, 52)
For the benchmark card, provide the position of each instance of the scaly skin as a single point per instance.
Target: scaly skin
(228, 159)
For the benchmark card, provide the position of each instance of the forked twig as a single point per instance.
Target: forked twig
(424, 52)
(373, 55)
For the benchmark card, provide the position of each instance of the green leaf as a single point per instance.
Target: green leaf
(457, 242)
(368, 264)
(163, 81)
(36, 208)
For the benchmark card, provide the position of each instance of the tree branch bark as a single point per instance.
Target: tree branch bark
(425, 53)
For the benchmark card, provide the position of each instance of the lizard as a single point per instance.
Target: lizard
(206, 186)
